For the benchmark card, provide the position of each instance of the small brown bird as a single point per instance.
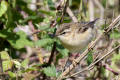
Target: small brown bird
(76, 35)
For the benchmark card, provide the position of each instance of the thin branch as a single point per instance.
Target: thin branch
(100, 7)
(92, 64)
(92, 45)
(70, 13)
(64, 10)
(52, 54)
(33, 30)
(91, 10)
(53, 24)
(110, 69)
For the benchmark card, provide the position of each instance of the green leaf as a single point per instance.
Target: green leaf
(115, 34)
(50, 13)
(44, 42)
(25, 63)
(50, 71)
(22, 41)
(13, 3)
(12, 16)
(6, 34)
(116, 57)
(35, 19)
(42, 27)
(18, 40)
(11, 74)
(63, 52)
(3, 7)
(89, 58)
(17, 64)
(10, 23)
(30, 69)
(115, 61)
(51, 4)
(6, 63)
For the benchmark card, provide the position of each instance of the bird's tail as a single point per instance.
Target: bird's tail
(94, 20)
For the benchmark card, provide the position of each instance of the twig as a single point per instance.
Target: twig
(110, 69)
(100, 7)
(90, 66)
(113, 24)
(52, 53)
(64, 10)
(54, 44)
(92, 45)
(33, 30)
(37, 31)
(70, 13)
(91, 10)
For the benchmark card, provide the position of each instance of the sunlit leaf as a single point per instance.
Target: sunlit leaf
(21, 41)
(25, 63)
(31, 69)
(13, 3)
(44, 42)
(11, 74)
(35, 19)
(17, 40)
(115, 64)
(6, 61)
(42, 27)
(17, 64)
(50, 71)
(63, 52)
(3, 7)
(115, 34)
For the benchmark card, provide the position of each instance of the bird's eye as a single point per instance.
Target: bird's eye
(62, 33)
(85, 29)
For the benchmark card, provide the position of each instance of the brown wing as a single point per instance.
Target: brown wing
(82, 27)
(85, 25)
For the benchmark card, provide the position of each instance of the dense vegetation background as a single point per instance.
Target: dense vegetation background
(30, 51)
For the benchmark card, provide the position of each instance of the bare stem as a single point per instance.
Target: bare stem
(88, 68)
(92, 45)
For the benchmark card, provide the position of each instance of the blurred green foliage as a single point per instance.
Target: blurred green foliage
(50, 71)
(11, 17)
